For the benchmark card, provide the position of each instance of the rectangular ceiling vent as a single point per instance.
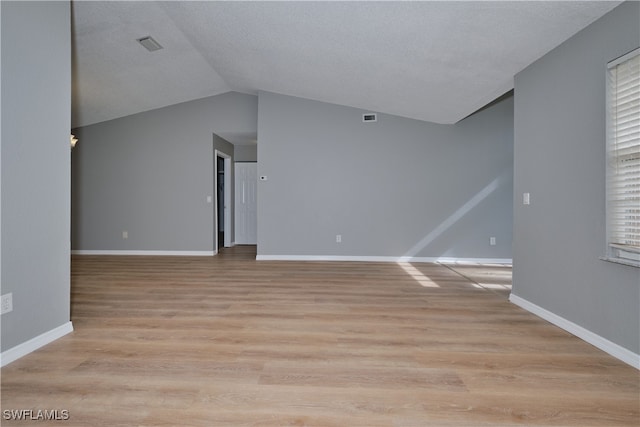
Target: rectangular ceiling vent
(369, 117)
(149, 43)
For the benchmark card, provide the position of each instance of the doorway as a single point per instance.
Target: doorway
(222, 185)
(220, 196)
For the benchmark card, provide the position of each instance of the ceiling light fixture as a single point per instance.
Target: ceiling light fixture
(149, 43)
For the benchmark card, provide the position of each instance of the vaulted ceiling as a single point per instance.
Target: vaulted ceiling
(433, 61)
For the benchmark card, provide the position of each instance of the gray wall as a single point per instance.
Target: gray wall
(36, 104)
(397, 187)
(560, 160)
(150, 174)
(246, 153)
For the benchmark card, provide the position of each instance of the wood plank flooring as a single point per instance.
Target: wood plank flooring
(229, 341)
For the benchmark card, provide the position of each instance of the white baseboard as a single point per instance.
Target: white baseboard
(444, 260)
(147, 253)
(596, 340)
(33, 344)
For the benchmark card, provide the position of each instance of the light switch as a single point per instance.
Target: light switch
(526, 198)
(208, 199)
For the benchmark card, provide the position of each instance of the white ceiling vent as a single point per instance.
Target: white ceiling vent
(149, 43)
(369, 117)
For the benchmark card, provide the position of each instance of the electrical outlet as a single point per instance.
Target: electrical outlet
(338, 238)
(526, 198)
(125, 234)
(7, 303)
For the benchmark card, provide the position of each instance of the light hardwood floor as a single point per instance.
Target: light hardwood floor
(229, 341)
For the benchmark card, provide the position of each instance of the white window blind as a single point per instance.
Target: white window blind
(623, 207)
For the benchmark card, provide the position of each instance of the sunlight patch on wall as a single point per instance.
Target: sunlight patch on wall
(455, 216)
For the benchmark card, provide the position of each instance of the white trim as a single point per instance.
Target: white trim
(33, 344)
(143, 253)
(621, 261)
(621, 254)
(615, 350)
(444, 260)
(613, 63)
(625, 248)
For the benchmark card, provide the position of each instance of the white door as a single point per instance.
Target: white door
(246, 219)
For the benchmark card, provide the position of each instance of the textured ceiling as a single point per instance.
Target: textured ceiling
(434, 61)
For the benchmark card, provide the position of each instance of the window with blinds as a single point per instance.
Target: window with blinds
(623, 179)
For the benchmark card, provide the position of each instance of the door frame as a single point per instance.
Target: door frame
(227, 199)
